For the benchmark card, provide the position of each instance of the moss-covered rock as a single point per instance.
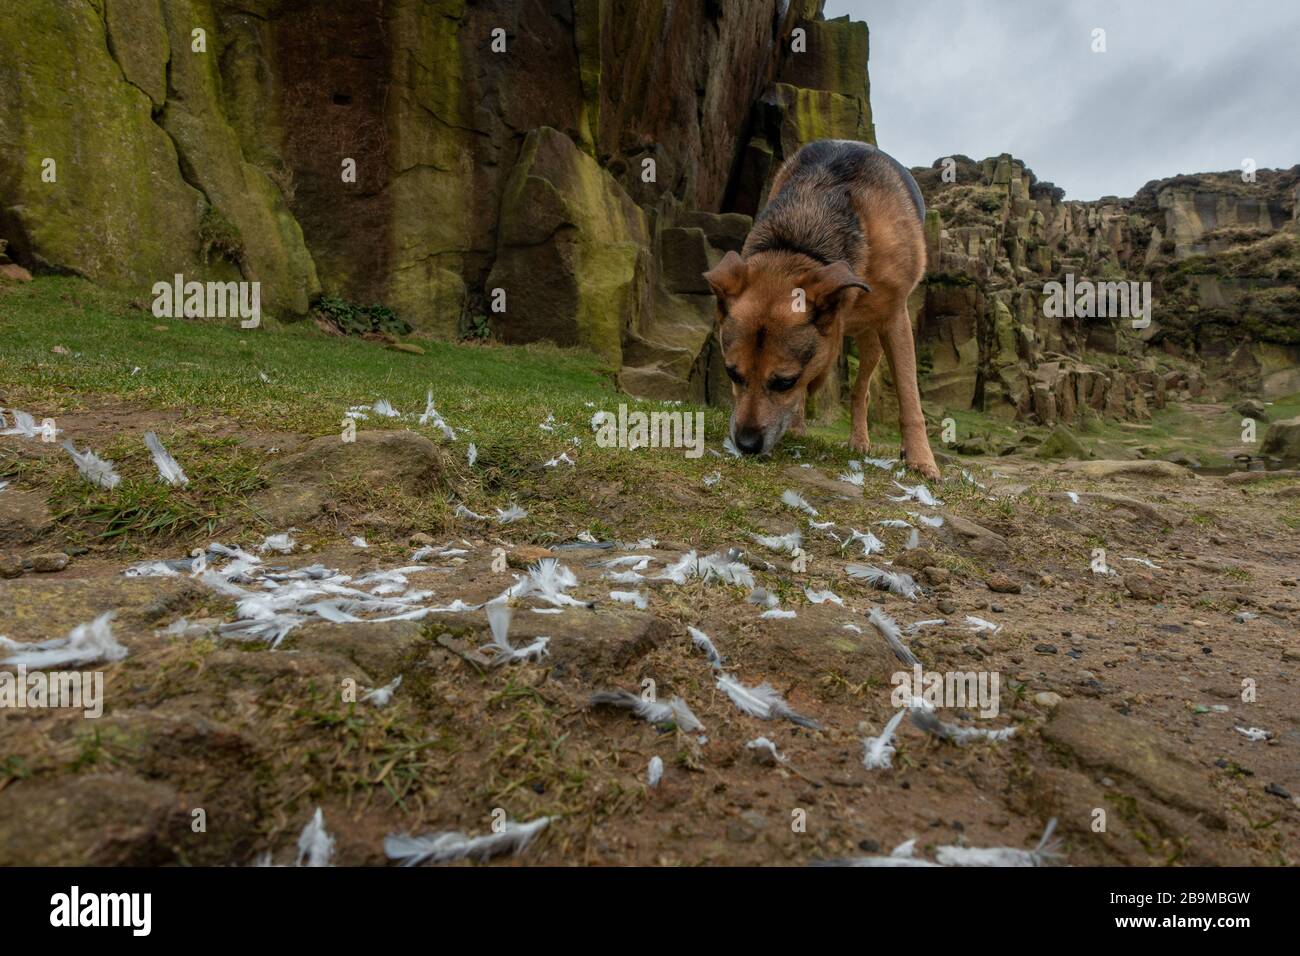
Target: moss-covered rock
(274, 253)
(574, 250)
(118, 209)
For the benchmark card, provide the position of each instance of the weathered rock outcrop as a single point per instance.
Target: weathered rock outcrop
(1222, 257)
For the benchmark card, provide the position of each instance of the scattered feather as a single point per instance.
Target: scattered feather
(704, 643)
(637, 598)
(870, 543)
(930, 521)
(719, 567)
(888, 628)
(919, 625)
(763, 598)
(471, 454)
(460, 511)
(763, 702)
(777, 613)
(654, 772)
(918, 493)
(168, 469)
(85, 644)
(1254, 733)
(713, 479)
(94, 469)
(878, 752)
(1073, 496)
(978, 624)
(794, 500)
(381, 696)
(925, 719)
(1145, 563)
(674, 711)
(895, 581)
(315, 846)
(449, 846)
(498, 615)
(784, 543)
(765, 751)
(821, 597)
(360, 542)
(510, 515)
(561, 459)
(282, 543)
(1046, 850)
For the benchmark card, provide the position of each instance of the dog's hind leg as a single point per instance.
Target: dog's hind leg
(897, 336)
(869, 352)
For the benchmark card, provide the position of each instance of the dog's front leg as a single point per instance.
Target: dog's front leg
(796, 426)
(869, 350)
(911, 420)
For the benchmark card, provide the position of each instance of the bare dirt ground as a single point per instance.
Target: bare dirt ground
(1126, 690)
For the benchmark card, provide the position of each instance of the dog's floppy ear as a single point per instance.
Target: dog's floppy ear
(728, 277)
(824, 285)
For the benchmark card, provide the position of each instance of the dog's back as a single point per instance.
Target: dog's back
(816, 204)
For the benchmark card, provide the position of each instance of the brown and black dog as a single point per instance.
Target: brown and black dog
(835, 252)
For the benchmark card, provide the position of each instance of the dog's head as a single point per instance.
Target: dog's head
(779, 326)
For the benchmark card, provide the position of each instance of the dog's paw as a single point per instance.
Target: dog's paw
(926, 469)
(860, 443)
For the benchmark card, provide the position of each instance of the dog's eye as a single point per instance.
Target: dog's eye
(782, 384)
(735, 376)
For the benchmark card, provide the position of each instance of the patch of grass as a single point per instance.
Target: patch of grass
(222, 476)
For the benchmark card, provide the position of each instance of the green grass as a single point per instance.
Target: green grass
(110, 352)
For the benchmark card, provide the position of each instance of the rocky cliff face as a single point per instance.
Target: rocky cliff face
(566, 169)
(1222, 257)
(565, 152)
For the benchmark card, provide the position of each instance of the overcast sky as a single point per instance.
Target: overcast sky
(1184, 86)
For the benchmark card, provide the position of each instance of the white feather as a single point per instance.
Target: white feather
(674, 711)
(794, 500)
(471, 454)
(870, 543)
(1043, 853)
(704, 643)
(878, 752)
(821, 597)
(711, 567)
(654, 772)
(636, 598)
(777, 613)
(978, 624)
(314, 844)
(85, 644)
(94, 469)
(460, 511)
(499, 614)
(918, 493)
(449, 845)
(895, 581)
(766, 750)
(763, 702)
(785, 543)
(510, 515)
(168, 468)
(926, 720)
(888, 627)
(381, 696)
(282, 543)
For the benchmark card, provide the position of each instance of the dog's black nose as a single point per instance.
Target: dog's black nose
(749, 440)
